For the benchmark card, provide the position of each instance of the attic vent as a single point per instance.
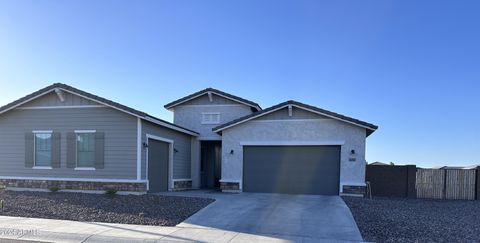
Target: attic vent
(211, 118)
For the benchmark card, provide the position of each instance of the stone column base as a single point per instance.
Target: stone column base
(358, 191)
(230, 186)
(182, 185)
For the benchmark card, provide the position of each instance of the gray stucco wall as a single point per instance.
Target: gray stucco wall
(314, 131)
(120, 140)
(189, 115)
(182, 142)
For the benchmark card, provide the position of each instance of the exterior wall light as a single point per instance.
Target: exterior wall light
(353, 151)
(231, 151)
(145, 145)
(175, 150)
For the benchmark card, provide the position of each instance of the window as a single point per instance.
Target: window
(210, 118)
(43, 149)
(85, 149)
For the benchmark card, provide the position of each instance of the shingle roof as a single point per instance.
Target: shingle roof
(205, 91)
(119, 106)
(334, 115)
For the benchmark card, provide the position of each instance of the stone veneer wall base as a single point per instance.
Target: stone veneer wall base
(73, 185)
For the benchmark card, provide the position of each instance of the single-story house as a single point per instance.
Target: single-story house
(66, 138)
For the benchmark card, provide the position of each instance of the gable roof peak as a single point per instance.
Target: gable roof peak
(217, 92)
(98, 99)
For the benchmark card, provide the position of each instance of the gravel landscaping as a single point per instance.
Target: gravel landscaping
(416, 220)
(131, 209)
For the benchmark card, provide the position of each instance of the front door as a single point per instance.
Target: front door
(210, 167)
(158, 159)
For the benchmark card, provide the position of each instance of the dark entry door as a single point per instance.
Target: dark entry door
(291, 169)
(210, 167)
(158, 158)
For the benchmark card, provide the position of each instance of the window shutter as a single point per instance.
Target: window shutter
(71, 149)
(99, 150)
(55, 150)
(29, 149)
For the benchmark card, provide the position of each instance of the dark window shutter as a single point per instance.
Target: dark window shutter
(71, 149)
(29, 149)
(99, 150)
(55, 150)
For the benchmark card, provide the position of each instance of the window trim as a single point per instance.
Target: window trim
(212, 122)
(41, 167)
(77, 132)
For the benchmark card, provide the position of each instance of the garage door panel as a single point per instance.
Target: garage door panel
(292, 169)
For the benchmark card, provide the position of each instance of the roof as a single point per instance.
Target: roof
(115, 105)
(214, 91)
(370, 127)
(378, 163)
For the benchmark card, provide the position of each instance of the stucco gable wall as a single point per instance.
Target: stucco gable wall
(191, 117)
(216, 100)
(316, 130)
(297, 113)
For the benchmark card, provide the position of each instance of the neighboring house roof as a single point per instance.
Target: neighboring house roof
(213, 91)
(106, 102)
(370, 127)
(455, 167)
(378, 163)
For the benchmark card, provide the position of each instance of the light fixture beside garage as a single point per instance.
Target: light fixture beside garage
(352, 152)
(175, 150)
(231, 151)
(145, 145)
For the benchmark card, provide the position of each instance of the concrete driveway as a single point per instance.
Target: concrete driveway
(277, 216)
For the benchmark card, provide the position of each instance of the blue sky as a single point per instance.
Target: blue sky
(411, 67)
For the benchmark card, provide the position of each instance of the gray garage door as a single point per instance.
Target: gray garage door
(291, 169)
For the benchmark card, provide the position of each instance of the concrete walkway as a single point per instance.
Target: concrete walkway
(232, 218)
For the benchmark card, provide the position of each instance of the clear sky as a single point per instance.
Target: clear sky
(410, 67)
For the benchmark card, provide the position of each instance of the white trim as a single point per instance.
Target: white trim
(213, 92)
(291, 143)
(333, 117)
(292, 120)
(72, 179)
(300, 107)
(159, 138)
(84, 168)
(60, 95)
(42, 167)
(213, 105)
(85, 131)
(59, 107)
(26, 101)
(139, 148)
(170, 160)
(169, 126)
(133, 114)
(104, 105)
(42, 131)
(181, 180)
